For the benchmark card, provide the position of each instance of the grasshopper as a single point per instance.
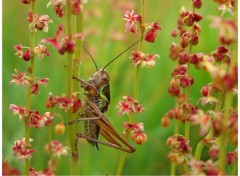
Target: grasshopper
(97, 99)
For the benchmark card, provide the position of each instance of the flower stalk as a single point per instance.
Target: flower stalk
(136, 92)
(73, 129)
(29, 97)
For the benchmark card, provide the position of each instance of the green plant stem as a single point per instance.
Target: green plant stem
(173, 165)
(227, 107)
(136, 93)
(71, 130)
(29, 96)
(200, 145)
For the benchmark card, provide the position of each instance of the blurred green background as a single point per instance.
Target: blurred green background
(106, 39)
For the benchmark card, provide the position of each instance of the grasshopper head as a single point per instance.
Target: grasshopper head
(100, 78)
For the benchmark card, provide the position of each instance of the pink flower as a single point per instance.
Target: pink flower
(18, 110)
(179, 143)
(134, 127)
(38, 22)
(36, 120)
(21, 151)
(232, 157)
(56, 148)
(43, 81)
(137, 57)
(227, 7)
(129, 105)
(202, 119)
(19, 78)
(49, 116)
(58, 7)
(76, 6)
(149, 61)
(139, 137)
(7, 169)
(65, 103)
(18, 49)
(131, 19)
(52, 101)
(41, 51)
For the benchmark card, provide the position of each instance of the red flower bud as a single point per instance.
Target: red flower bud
(205, 91)
(26, 1)
(34, 89)
(165, 121)
(197, 4)
(151, 36)
(213, 152)
(26, 55)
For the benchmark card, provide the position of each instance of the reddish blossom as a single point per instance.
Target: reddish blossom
(197, 4)
(7, 169)
(227, 29)
(51, 101)
(41, 51)
(76, 6)
(179, 143)
(129, 105)
(26, 1)
(43, 81)
(18, 49)
(56, 148)
(26, 55)
(36, 120)
(18, 110)
(226, 7)
(149, 60)
(203, 120)
(133, 127)
(213, 152)
(151, 35)
(34, 89)
(232, 157)
(76, 104)
(58, 7)
(139, 137)
(19, 78)
(38, 22)
(65, 103)
(21, 151)
(131, 19)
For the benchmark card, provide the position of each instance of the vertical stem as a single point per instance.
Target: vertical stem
(228, 104)
(136, 92)
(227, 107)
(29, 97)
(173, 165)
(71, 130)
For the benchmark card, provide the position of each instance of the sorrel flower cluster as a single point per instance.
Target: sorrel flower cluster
(130, 106)
(21, 151)
(64, 102)
(62, 42)
(40, 50)
(21, 78)
(180, 149)
(216, 121)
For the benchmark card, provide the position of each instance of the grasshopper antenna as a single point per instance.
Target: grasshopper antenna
(91, 57)
(121, 53)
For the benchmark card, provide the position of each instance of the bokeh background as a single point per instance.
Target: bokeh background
(105, 39)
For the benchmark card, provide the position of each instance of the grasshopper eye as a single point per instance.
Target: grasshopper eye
(104, 78)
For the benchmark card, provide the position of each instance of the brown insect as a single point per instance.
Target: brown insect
(96, 102)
